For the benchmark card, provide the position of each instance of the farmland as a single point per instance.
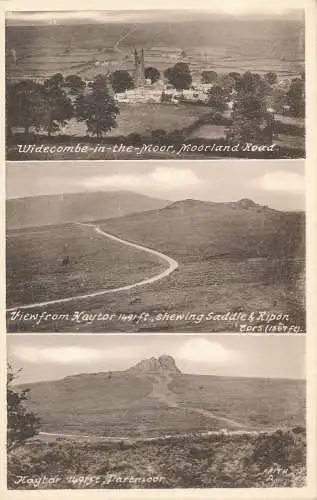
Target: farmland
(209, 41)
(144, 118)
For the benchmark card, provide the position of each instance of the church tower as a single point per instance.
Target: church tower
(139, 70)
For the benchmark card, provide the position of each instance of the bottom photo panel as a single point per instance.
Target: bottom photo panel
(160, 411)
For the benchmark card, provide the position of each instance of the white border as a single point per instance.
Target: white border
(309, 492)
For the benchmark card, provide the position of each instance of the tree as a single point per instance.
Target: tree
(235, 75)
(57, 108)
(21, 423)
(270, 77)
(209, 76)
(152, 74)
(296, 97)
(217, 98)
(121, 80)
(249, 115)
(179, 76)
(237, 78)
(75, 84)
(25, 105)
(228, 83)
(56, 80)
(98, 108)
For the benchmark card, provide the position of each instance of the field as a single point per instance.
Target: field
(221, 43)
(122, 404)
(223, 461)
(144, 118)
(35, 270)
(231, 258)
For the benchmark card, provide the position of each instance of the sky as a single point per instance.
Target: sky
(278, 184)
(143, 11)
(50, 357)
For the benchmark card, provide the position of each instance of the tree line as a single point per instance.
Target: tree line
(48, 106)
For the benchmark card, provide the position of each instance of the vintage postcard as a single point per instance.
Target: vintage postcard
(156, 247)
(223, 81)
(158, 287)
(157, 412)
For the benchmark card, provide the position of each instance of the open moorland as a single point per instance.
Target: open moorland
(187, 430)
(235, 257)
(38, 270)
(148, 404)
(266, 460)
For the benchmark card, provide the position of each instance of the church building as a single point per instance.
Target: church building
(139, 69)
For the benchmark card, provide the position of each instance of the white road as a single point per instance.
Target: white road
(172, 265)
(154, 438)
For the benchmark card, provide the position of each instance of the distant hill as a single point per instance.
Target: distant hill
(194, 229)
(154, 397)
(61, 208)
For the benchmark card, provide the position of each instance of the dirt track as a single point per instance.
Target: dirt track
(172, 265)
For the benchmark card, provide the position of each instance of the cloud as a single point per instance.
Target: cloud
(245, 6)
(68, 354)
(60, 355)
(161, 178)
(282, 181)
(205, 351)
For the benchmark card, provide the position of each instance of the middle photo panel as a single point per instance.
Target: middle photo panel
(108, 247)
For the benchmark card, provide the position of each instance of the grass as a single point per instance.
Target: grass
(230, 259)
(144, 118)
(122, 404)
(258, 403)
(234, 461)
(35, 272)
(290, 141)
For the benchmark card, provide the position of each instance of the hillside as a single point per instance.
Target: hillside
(154, 398)
(233, 256)
(70, 207)
(193, 229)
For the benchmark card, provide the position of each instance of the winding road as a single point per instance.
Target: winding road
(172, 265)
(161, 391)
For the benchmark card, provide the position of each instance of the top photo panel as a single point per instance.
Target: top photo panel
(156, 84)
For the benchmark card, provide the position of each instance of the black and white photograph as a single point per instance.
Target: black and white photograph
(103, 412)
(172, 84)
(152, 247)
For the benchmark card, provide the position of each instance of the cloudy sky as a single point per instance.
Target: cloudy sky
(144, 11)
(278, 184)
(49, 357)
